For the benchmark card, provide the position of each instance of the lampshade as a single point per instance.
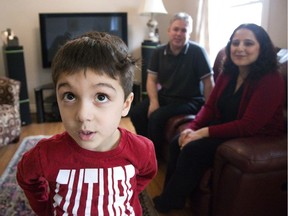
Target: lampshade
(152, 6)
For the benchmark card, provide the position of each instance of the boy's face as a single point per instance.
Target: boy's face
(91, 108)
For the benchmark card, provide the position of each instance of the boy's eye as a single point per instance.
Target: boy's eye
(69, 96)
(101, 98)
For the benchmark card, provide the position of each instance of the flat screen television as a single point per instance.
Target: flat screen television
(58, 28)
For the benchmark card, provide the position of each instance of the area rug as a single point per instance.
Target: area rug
(12, 199)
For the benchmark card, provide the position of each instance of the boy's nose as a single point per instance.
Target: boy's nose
(84, 112)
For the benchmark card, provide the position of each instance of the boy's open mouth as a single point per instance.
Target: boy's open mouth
(86, 135)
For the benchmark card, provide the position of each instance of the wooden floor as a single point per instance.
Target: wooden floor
(50, 128)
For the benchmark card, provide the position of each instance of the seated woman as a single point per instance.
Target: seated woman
(247, 100)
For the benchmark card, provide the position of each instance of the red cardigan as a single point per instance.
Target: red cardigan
(260, 111)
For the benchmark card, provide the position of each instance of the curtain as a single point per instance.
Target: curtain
(201, 24)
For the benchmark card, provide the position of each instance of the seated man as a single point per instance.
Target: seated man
(179, 78)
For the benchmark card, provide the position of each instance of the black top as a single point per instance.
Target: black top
(180, 76)
(229, 102)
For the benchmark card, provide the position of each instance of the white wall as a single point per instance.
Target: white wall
(22, 17)
(277, 22)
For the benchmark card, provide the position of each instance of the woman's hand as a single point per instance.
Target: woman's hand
(188, 135)
(185, 137)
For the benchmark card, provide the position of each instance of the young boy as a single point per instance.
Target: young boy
(95, 167)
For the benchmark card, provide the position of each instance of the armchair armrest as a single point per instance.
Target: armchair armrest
(9, 91)
(255, 154)
(177, 124)
(250, 177)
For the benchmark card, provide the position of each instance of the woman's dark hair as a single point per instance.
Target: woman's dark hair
(100, 52)
(267, 59)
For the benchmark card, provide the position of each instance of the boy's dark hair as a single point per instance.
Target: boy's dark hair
(267, 59)
(100, 52)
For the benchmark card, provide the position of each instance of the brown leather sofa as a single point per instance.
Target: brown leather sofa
(249, 175)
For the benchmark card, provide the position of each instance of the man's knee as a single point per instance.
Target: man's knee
(157, 116)
(136, 113)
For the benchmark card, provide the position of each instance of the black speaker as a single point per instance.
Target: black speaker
(15, 69)
(146, 52)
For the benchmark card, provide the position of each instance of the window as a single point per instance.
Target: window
(225, 15)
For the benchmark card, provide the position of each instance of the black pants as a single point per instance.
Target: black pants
(153, 128)
(186, 167)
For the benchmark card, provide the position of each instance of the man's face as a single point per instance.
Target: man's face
(179, 34)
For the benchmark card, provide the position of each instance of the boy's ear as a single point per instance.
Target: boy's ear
(127, 104)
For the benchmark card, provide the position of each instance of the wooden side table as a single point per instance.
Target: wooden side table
(40, 100)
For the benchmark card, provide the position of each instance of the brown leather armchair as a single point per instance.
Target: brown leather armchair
(248, 177)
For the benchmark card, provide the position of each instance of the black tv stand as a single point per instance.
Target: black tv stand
(41, 117)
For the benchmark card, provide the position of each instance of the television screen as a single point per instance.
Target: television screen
(57, 28)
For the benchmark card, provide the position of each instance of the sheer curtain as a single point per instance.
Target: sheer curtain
(201, 28)
(215, 20)
(224, 17)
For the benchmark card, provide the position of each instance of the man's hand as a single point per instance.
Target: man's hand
(152, 108)
(152, 92)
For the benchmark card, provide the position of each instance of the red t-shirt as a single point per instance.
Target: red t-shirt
(58, 176)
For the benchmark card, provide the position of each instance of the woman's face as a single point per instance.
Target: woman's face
(244, 48)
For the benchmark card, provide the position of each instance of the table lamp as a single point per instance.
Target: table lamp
(9, 38)
(150, 8)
